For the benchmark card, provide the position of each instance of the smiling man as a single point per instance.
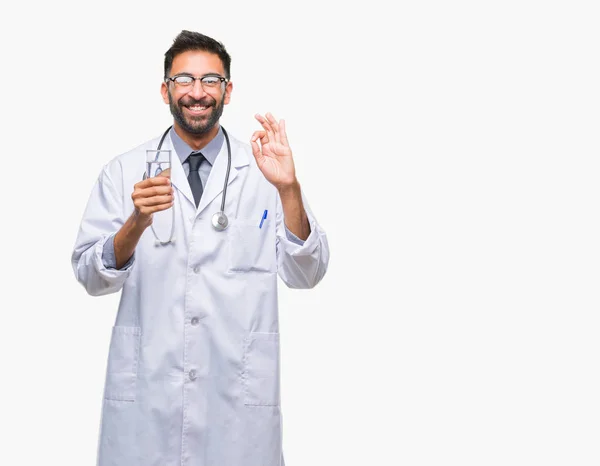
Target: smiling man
(198, 111)
(193, 367)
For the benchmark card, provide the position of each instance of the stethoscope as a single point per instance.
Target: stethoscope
(219, 220)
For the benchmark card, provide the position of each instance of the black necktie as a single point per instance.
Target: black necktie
(195, 159)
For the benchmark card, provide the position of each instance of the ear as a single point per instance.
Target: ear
(164, 90)
(228, 90)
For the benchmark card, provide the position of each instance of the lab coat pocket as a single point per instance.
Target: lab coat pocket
(261, 369)
(251, 248)
(123, 355)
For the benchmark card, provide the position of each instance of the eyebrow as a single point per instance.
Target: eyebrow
(184, 73)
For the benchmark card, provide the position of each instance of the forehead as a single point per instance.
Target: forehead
(197, 62)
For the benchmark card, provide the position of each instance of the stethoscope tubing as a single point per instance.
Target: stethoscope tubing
(219, 220)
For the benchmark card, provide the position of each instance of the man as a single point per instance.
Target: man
(193, 367)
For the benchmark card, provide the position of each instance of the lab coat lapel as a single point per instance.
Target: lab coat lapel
(216, 179)
(178, 176)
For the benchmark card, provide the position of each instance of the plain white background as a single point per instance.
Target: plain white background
(449, 149)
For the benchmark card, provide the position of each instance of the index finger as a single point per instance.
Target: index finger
(154, 181)
(266, 125)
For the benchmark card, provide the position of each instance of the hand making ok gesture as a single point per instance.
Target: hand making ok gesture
(274, 155)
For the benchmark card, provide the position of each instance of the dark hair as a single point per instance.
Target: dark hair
(189, 40)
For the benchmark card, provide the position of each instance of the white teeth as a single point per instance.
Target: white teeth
(197, 109)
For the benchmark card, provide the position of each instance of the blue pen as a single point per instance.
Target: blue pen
(263, 219)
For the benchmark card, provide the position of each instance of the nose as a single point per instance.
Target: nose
(197, 91)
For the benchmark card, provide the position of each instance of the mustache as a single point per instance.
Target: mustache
(202, 102)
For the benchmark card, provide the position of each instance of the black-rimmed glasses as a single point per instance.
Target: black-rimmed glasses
(185, 81)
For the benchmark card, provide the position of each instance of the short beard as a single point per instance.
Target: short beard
(196, 127)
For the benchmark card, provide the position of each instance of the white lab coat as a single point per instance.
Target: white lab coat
(193, 367)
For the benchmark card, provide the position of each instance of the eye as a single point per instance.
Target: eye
(211, 80)
(183, 80)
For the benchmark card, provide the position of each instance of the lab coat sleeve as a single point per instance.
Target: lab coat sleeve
(292, 237)
(102, 218)
(301, 265)
(109, 258)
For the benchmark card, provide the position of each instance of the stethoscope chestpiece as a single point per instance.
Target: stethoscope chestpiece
(219, 221)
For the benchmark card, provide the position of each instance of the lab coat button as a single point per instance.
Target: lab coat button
(192, 374)
(197, 269)
(195, 320)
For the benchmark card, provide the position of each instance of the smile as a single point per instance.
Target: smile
(197, 109)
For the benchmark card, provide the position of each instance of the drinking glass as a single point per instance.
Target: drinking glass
(158, 163)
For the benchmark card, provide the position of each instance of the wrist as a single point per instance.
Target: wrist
(289, 190)
(140, 221)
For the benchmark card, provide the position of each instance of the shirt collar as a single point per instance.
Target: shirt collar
(210, 151)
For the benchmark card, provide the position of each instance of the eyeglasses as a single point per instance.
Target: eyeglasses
(207, 82)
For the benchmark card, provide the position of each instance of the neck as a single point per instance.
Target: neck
(196, 141)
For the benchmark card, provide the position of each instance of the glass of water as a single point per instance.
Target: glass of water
(158, 163)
